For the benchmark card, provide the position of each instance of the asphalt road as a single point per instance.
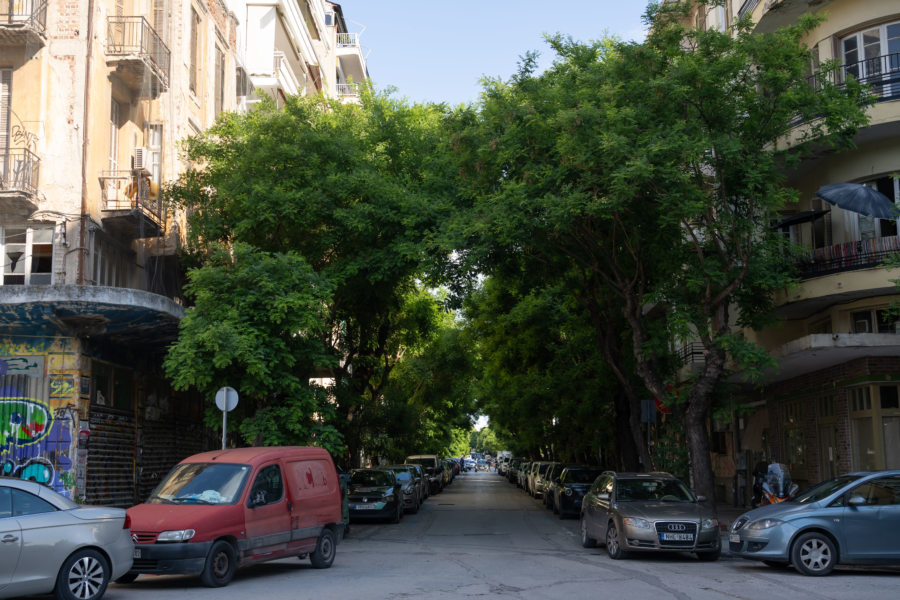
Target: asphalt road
(484, 538)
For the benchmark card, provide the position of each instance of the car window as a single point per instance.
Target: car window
(371, 478)
(268, 487)
(5, 503)
(822, 490)
(664, 490)
(201, 483)
(402, 475)
(884, 491)
(601, 485)
(24, 503)
(582, 475)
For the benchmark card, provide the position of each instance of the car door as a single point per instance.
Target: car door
(267, 519)
(871, 521)
(312, 494)
(10, 539)
(593, 506)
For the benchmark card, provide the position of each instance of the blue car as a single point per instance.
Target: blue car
(852, 519)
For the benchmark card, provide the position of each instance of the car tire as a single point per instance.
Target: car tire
(586, 540)
(323, 555)
(127, 578)
(814, 554)
(84, 576)
(709, 556)
(613, 548)
(220, 565)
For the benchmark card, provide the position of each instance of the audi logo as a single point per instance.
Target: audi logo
(677, 527)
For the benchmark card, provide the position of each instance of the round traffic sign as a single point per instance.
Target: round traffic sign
(226, 398)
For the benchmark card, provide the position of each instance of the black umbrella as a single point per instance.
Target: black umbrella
(859, 198)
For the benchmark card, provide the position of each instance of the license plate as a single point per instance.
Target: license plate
(137, 553)
(364, 507)
(677, 537)
(734, 538)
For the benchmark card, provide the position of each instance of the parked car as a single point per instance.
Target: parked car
(567, 491)
(851, 519)
(512, 473)
(54, 545)
(405, 475)
(547, 481)
(533, 471)
(522, 474)
(219, 510)
(469, 464)
(537, 479)
(422, 482)
(434, 470)
(482, 465)
(647, 512)
(375, 494)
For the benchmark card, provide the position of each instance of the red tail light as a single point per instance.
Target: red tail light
(127, 523)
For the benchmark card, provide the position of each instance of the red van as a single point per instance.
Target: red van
(219, 510)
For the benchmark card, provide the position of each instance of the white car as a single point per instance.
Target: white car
(51, 544)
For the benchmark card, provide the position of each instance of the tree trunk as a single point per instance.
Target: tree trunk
(698, 447)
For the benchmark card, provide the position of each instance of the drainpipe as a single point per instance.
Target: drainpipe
(82, 236)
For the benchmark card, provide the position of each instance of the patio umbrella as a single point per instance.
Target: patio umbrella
(859, 198)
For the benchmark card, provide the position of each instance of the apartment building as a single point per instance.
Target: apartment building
(831, 405)
(95, 96)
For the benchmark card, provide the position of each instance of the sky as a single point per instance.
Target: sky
(439, 50)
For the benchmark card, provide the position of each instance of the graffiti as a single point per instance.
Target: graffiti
(62, 386)
(24, 138)
(22, 421)
(8, 347)
(22, 365)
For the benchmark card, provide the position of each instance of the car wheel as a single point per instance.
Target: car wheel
(220, 565)
(84, 576)
(613, 549)
(323, 555)
(586, 540)
(709, 556)
(813, 554)
(127, 578)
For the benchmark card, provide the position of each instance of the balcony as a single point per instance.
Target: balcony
(880, 73)
(849, 256)
(19, 168)
(349, 53)
(139, 54)
(347, 90)
(23, 22)
(131, 205)
(281, 78)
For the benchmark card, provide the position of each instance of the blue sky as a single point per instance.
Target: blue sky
(438, 50)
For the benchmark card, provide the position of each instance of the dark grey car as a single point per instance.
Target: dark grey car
(409, 489)
(647, 512)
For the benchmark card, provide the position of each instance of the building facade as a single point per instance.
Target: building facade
(831, 405)
(95, 96)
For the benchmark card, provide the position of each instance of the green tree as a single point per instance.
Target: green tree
(655, 169)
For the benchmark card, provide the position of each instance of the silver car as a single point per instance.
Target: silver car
(852, 519)
(647, 512)
(50, 544)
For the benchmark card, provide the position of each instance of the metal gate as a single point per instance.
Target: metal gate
(110, 458)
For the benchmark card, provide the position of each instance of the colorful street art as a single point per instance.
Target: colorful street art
(35, 440)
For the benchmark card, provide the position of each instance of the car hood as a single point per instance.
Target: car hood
(578, 487)
(97, 513)
(170, 517)
(783, 510)
(654, 510)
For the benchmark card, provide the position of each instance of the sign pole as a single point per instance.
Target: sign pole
(226, 400)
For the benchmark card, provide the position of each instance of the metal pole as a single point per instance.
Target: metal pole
(224, 426)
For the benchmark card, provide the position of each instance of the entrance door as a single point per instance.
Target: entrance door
(828, 459)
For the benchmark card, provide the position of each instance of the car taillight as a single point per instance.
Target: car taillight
(127, 523)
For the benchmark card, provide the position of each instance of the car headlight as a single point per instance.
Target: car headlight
(638, 523)
(709, 524)
(408, 491)
(180, 535)
(569, 491)
(765, 524)
(389, 498)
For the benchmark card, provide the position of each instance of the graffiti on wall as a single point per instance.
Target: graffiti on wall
(35, 440)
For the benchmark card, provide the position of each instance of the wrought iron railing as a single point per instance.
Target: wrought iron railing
(691, 353)
(133, 36)
(19, 170)
(285, 74)
(127, 190)
(881, 73)
(747, 7)
(848, 256)
(346, 40)
(30, 13)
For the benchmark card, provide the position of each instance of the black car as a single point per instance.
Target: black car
(409, 490)
(567, 490)
(375, 494)
(546, 483)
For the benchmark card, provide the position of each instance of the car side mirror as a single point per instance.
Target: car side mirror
(856, 501)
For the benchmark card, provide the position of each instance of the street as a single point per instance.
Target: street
(483, 537)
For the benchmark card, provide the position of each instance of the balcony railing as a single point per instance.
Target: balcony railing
(691, 353)
(347, 40)
(285, 74)
(19, 171)
(881, 73)
(133, 36)
(124, 191)
(22, 17)
(848, 256)
(747, 7)
(347, 89)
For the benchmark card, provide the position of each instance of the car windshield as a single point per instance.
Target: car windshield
(401, 474)
(824, 489)
(665, 490)
(582, 475)
(201, 483)
(371, 478)
(425, 462)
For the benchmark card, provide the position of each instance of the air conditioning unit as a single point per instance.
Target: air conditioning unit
(329, 19)
(140, 160)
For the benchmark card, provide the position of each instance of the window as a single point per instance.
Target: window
(195, 50)
(113, 386)
(153, 135)
(795, 437)
(871, 53)
(219, 100)
(862, 321)
(884, 491)
(5, 95)
(24, 504)
(27, 255)
(267, 488)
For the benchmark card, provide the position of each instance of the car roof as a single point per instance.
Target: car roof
(256, 454)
